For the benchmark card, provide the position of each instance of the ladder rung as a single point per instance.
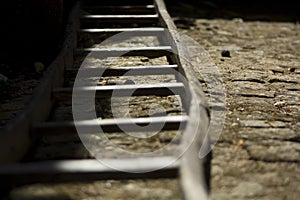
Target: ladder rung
(116, 3)
(121, 71)
(149, 31)
(142, 9)
(87, 170)
(106, 91)
(137, 51)
(112, 125)
(120, 19)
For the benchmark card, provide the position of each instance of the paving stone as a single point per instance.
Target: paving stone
(275, 151)
(263, 124)
(283, 79)
(254, 93)
(273, 179)
(217, 170)
(283, 134)
(297, 127)
(250, 89)
(255, 76)
(224, 195)
(248, 189)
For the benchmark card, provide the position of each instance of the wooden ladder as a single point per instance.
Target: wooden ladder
(103, 19)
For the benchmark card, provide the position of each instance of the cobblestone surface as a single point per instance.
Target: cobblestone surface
(258, 153)
(101, 190)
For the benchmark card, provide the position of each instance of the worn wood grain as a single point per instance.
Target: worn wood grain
(111, 125)
(126, 71)
(117, 52)
(164, 89)
(137, 9)
(87, 170)
(192, 167)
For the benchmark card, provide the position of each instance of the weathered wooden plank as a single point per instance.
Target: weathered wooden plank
(121, 71)
(135, 9)
(120, 19)
(193, 166)
(111, 125)
(100, 34)
(116, 3)
(117, 52)
(147, 31)
(87, 170)
(163, 89)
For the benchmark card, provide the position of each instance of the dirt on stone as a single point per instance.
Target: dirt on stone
(258, 153)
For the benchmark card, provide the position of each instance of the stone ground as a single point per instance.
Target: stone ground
(258, 153)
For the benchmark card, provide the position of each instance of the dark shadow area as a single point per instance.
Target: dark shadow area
(248, 10)
(31, 31)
